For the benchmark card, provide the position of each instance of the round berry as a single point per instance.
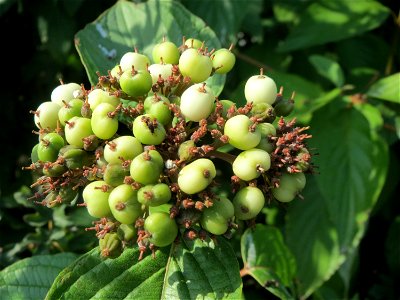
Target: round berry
(196, 176)
(110, 245)
(148, 130)
(250, 164)
(49, 147)
(115, 173)
(166, 52)
(65, 93)
(136, 83)
(197, 102)
(193, 43)
(160, 71)
(289, 186)
(163, 230)
(146, 168)
(154, 195)
(126, 147)
(137, 60)
(241, 132)
(95, 195)
(248, 203)
(70, 110)
(46, 115)
(104, 123)
(260, 89)
(76, 130)
(195, 65)
(98, 96)
(124, 205)
(158, 106)
(223, 61)
(215, 219)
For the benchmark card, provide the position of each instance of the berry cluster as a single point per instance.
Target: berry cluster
(141, 147)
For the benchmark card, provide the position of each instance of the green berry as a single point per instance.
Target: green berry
(65, 93)
(167, 52)
(104, 123)
(95, 195)
(250, 164)
(240, 132)
(223, 61)
(196, 176)
(197, 102)
(260, 89)
(126, 147)
(154, 195)
(248, 203)
(163, 230)
(49, 147)
(76, 130)
(195, 65)
(146, 168)
(136, 83)
(110, 245)
(124, 204)
(148, 130)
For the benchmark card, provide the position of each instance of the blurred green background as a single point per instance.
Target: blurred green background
(314, 47)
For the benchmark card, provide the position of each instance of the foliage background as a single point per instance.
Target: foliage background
(288, 38)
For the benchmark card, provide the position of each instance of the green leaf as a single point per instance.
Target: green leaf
(93, 277)
(392, 248)
(226, 26)
(126, 25)
(327, 21)
(328, 68)
(267, 259)
(397, 126)
(31, 278)
(196, 269)
(306, 93)
(202, 270)
(328, 224)
(387, 88)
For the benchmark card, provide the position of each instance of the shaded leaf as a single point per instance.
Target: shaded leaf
(328, 225)
(225, 25)
(126, 25)
(214, 267)
(387, 88)
(392, 247)
(306, 93)
(328, 68)
(268, 260)
(202, 270)
(124, 277)
(31, 278)
(327, 21)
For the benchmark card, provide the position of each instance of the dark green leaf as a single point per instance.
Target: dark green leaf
(387, 88)
(328, 68)
(202, 270)
(124, 277)
(327, 21)
(331, 220)
(31, 278)
(313, 239)
(392, 246)
(365, 51)
(306, 93)
(223, 16)
(268, 260)
(397, 125)
(126, 25)
(193, 268)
